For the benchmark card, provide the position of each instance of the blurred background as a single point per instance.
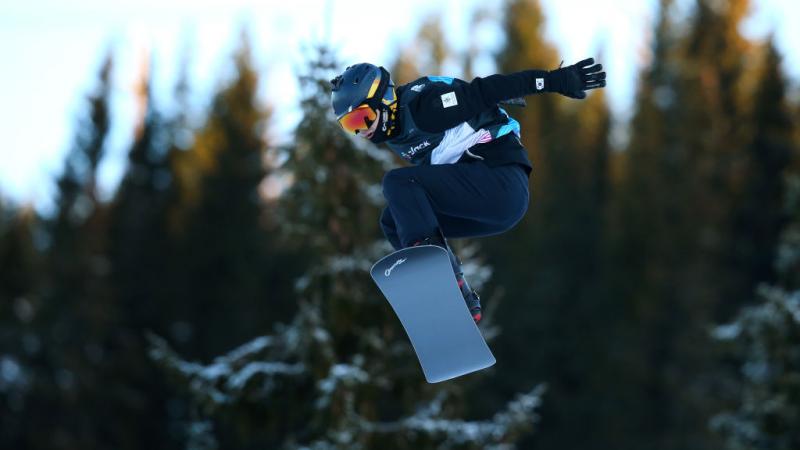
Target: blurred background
(186, 233)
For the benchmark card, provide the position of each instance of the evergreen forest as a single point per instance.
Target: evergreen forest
(221, 297)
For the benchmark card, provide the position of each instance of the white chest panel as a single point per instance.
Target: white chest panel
(456, 141)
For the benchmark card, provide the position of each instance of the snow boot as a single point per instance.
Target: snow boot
(471, 298)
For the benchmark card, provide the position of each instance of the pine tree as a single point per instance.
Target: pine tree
(714, 57)
(71, 311)
(651, 240)
(715, 61)
(225, 253)
(757, 179)
(683, 214)
(139, 248)
(764, 339)
(341, 374)
(140, 257)
(20, 265)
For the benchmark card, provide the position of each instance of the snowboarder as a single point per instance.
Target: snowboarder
(470, 171)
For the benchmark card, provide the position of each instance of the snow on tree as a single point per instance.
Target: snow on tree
(279, 371)
(341, 374)
(766, 340)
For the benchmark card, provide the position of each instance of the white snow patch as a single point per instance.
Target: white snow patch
(271, 369)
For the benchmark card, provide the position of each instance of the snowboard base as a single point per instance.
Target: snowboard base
(421, 287)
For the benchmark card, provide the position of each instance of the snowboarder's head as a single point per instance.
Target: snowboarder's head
(365, 102)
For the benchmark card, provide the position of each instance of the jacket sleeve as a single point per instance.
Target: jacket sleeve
(445, 105)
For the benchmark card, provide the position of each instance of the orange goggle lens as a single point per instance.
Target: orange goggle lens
(358, 119)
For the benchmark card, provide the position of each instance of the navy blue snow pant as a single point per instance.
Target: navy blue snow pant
(466, 199)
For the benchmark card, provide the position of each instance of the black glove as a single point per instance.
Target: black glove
(573, 80)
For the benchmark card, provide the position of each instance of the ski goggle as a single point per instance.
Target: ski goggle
(358, 119)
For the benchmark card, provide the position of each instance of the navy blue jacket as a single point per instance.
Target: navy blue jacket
(441, 120)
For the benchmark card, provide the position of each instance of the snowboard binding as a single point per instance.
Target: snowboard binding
(471, 297)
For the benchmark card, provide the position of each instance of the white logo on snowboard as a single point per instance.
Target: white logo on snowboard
(390, 269)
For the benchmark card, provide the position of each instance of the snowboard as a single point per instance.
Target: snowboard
(421, 287)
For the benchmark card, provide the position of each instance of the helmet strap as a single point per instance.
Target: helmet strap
(387, 116)
(386, 113)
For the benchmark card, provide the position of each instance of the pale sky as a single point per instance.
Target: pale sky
(52, 50)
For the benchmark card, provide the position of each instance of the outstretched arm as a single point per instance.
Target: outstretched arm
(573, 81)
(447, 105)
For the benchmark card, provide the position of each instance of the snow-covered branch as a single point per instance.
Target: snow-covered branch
(518, 416)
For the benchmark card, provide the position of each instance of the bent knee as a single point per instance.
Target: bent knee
(396, 178)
